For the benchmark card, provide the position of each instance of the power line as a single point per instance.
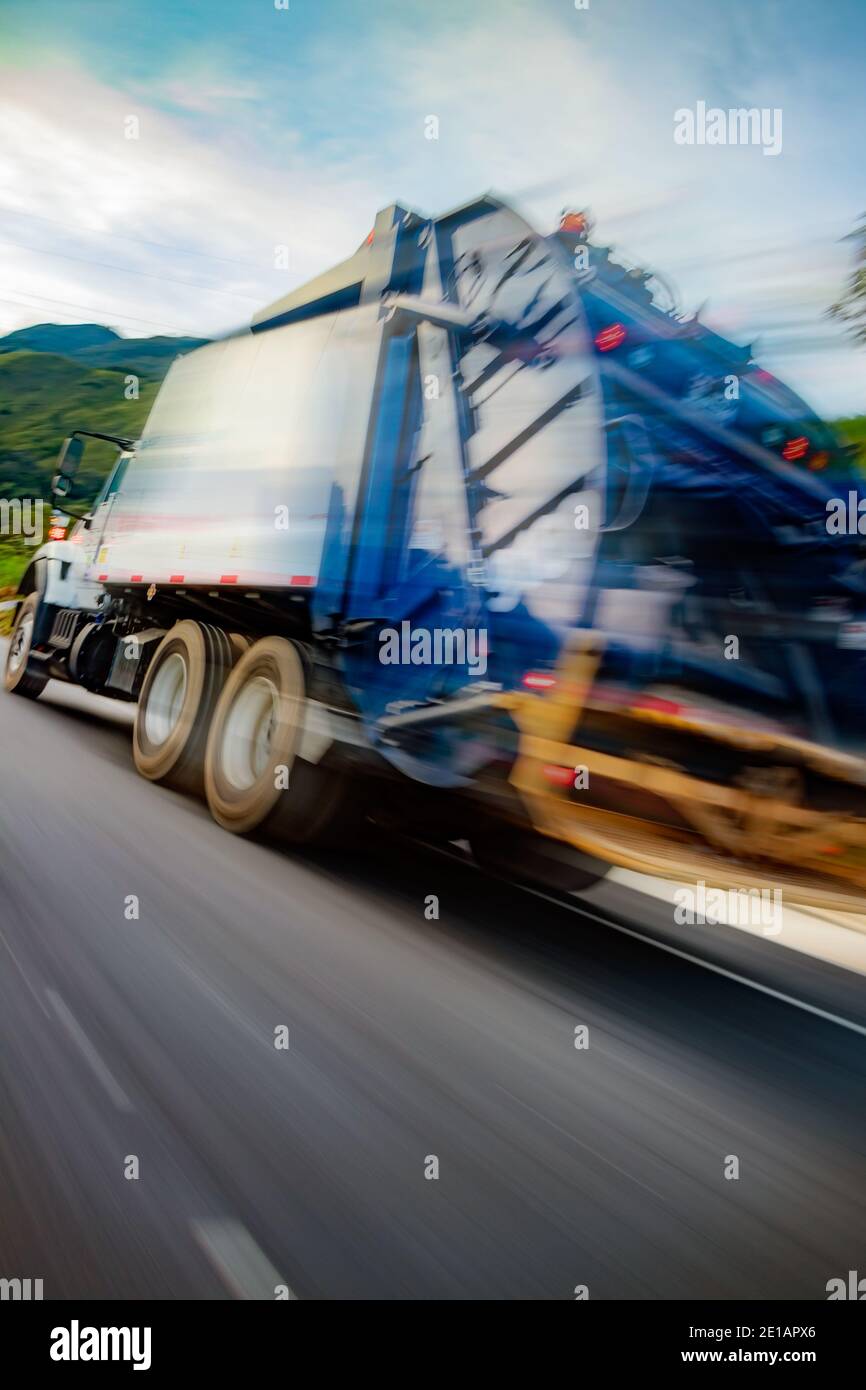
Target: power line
(102, 313)
(127, 270)
(122, 236)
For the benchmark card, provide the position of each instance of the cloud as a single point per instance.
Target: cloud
(545, 107)
(120, 224)
(205, 99)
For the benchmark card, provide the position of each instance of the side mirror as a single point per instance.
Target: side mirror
(68, 460)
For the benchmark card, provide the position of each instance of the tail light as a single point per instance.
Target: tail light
(795, 449)
(611, 337)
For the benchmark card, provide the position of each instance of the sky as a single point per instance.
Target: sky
(260, 127)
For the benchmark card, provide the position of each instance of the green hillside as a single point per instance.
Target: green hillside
(148, 357)
(96, 346)
(42, 399)
(49, 386)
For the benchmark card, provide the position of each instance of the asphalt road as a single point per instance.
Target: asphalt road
(305, 1167)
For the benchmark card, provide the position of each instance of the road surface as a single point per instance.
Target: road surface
(149, 961)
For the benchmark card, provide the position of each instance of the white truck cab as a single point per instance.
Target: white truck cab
(66, 567)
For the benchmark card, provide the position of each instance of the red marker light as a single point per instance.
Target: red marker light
(610, 337)
(537, 680)
(627, 699)
(796, 449)
(57, 533)
(559, 776)
(573, 222)
(656, 704)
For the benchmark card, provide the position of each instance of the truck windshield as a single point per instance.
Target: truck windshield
(114, 480)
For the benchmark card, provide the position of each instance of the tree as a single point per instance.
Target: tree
(851, 308)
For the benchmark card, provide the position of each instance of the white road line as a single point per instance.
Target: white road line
(698, 960)
(24, 975)
(838, 938)
(118, 1096)
(244, 1269)
(583, 911)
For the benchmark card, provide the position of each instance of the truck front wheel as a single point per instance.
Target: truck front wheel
(254, 779)
(16, 676)
(177, 699)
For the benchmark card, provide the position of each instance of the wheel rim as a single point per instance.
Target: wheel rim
(20, 646)
(165, 699)
(248, 733)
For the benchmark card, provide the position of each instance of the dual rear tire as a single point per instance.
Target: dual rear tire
(221, 716)
(254, 777)
(177, 701)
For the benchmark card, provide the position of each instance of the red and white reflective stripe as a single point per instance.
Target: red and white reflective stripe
(303, 581)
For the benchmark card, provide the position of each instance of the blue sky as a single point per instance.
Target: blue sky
(261, 127)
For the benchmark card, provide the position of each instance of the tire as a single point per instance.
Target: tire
(16, 677)
(177, 700)
(254, 780)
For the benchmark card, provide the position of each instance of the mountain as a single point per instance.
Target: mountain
(56, 377)
(43, 397)
(97, 346)
(65, 338)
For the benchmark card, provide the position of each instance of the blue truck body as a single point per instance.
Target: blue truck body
(483, 440)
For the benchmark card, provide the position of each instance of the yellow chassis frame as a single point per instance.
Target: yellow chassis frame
(736, 837)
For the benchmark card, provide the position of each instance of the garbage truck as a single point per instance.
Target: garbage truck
(477, 532)
(343, 534)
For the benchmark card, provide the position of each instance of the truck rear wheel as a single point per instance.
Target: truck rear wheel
(16, 676)
(254, 779)
(177, 699)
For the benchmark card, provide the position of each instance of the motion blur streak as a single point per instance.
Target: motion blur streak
(408, 1038)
